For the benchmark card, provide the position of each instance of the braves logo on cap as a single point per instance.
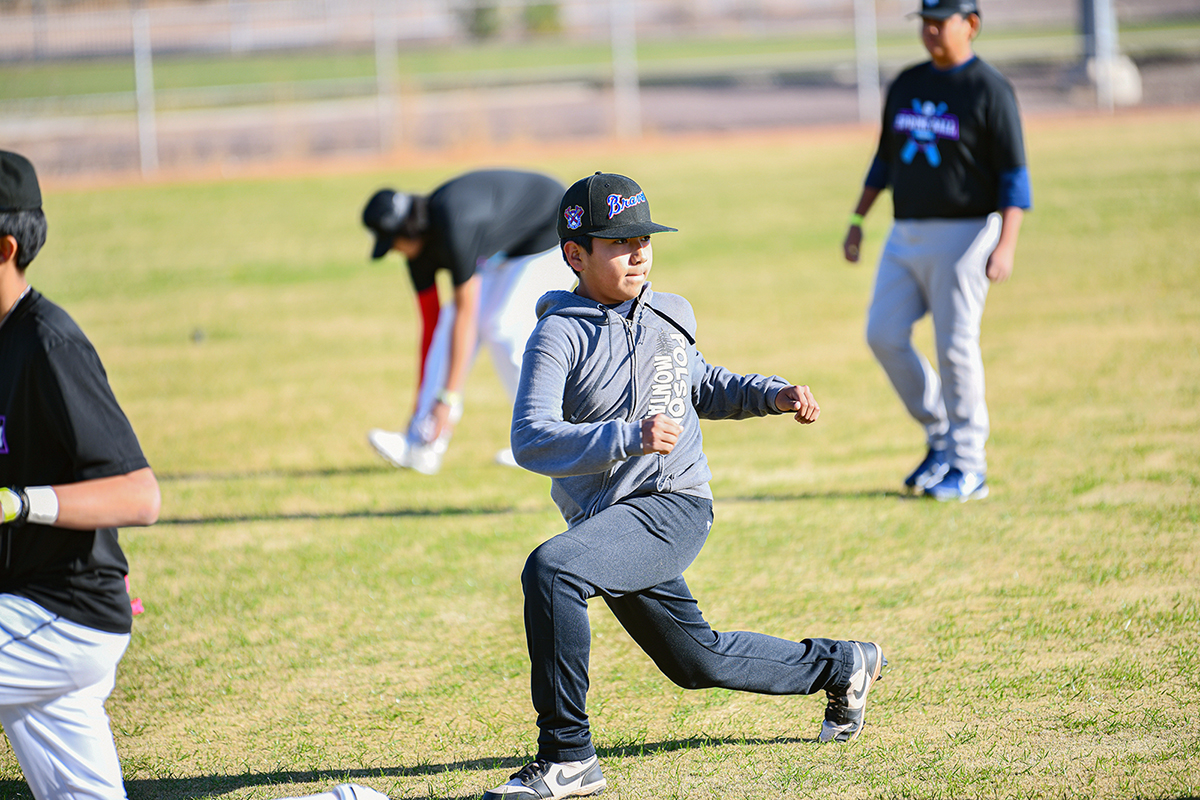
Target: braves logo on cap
(574, 217)
(930, 3)
(617, 204)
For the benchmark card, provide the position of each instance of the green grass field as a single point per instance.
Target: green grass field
(314, 616)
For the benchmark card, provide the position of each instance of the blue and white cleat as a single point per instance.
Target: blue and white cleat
(931, 470)
(959, 485)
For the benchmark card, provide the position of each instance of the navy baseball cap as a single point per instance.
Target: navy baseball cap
(384, 215)
(606, 206)
(944, 9)
(19, 189)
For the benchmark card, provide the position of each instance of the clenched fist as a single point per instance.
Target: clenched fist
(660, 434)
(799, 400)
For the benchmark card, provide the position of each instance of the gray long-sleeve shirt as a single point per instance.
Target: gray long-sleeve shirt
(591, 374)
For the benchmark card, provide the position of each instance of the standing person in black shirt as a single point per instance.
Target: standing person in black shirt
(71, 473)
(493, 231)
(952, 151)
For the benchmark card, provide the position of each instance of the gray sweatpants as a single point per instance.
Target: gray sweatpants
(633, 554)
(937, 266)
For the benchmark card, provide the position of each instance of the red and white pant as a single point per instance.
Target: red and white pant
(509, 291)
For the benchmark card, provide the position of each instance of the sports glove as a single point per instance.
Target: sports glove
(14, 507)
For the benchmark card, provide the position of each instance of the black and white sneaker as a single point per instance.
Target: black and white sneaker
(848, 705)
(549, 780)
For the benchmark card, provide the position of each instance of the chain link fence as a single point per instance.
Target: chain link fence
(89, 85)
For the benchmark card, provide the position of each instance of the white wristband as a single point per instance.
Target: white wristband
(43, 505)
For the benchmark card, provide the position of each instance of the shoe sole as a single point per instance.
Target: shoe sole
(880, 663)
(582, 791)
(978, 494)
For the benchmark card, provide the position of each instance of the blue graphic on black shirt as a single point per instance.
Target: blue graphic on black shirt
(924, 124)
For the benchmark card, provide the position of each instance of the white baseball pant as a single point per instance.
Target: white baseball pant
(54, 678)
(509, 291)
(937, 266)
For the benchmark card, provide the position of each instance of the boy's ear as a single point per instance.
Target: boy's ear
(573, 252)
(8, 249)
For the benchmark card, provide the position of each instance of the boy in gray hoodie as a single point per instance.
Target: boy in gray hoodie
(611, 394)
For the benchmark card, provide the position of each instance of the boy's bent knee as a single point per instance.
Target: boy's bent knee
(546, 561)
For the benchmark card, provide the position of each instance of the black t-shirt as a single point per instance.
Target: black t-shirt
(947, 138)
(60, 423)
(479, 214)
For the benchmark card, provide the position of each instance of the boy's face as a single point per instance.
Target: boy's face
(409, 248)
(614, 271)
(949, 40)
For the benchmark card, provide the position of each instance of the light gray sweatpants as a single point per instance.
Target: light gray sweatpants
(937, 266)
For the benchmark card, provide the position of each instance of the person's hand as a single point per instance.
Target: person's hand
(441, 420)
(660, 434)
(800, 400)
(852, 246)
(1000, 265)
(13, 507)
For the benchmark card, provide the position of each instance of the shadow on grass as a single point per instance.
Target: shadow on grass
(390, 514)
(486, 510)
(215, 785)
(327, 472)
(863, 494)
(302, 474)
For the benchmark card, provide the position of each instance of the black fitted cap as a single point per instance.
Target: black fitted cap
(606, 206)
(384, 215)
(19, 189)
(944, 9)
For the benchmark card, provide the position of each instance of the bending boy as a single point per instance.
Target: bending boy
(612, 390)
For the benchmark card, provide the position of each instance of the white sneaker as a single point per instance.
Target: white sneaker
(391, 445)
(352, 791)
(505, 458)
(427, 458)
(549, 780)
(344, 791)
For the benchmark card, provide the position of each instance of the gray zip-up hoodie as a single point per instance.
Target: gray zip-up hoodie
(591, 374)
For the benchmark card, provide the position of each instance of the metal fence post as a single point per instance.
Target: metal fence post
(1104, 28)
(143, 75)
(386, 65)
(866, 56)
(627, 100)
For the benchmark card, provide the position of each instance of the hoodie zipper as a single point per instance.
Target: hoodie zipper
(630, 339)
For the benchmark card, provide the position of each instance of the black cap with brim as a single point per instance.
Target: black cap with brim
(19, 190)
(606, 206)
(944, 9)
(383, 244)
(384, 215)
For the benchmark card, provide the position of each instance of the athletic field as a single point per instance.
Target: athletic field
(314, 616)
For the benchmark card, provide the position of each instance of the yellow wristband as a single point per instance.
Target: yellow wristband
(856, 220)
(452, 399)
